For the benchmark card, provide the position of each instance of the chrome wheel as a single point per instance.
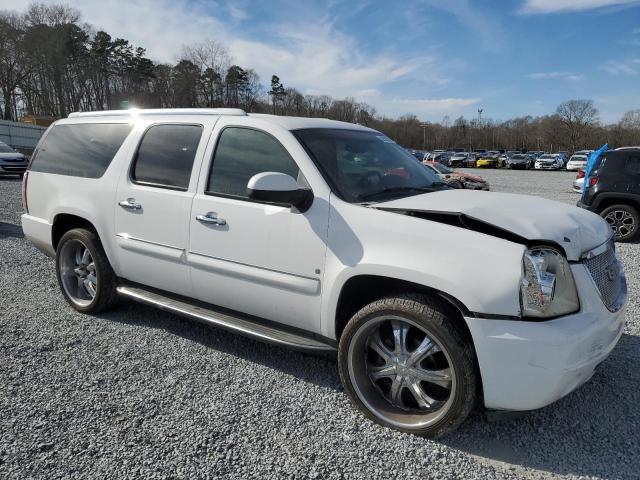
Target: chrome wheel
(401, 372)
(622, 222)
(78, 272)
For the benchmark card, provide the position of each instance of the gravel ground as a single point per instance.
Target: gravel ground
(141, 393)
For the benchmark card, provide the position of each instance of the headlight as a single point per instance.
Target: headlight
(547, 288)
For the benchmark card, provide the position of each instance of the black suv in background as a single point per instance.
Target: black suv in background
(614, 191)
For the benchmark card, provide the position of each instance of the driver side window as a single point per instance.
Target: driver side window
(242, 153)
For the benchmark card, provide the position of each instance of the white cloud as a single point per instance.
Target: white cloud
(434, 104)
(620, 67)
(487, 27)
(555, 6)
(555, 75)
(313, 57)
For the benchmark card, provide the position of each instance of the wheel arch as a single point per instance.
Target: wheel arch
(63, 222)
(362, 289)
(606, 201)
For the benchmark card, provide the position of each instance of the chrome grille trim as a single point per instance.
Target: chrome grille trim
(608, 276)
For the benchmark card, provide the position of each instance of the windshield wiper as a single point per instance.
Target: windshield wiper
(435, 186)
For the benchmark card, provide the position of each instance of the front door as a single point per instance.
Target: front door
(153, 205)
(260, 259)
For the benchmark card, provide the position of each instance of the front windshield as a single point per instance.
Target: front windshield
(4, 148)
(364, 166)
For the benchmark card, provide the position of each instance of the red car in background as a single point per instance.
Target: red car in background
(457, 179)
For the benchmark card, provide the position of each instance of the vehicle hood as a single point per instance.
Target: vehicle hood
(520, 218)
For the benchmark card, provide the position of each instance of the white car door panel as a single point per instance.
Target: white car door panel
(260, 259)
(152, 220)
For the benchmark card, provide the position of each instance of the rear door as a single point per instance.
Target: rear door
(632, 171)
(153, 204)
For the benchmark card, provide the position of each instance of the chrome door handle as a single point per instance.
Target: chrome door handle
(130, 204)
(211, 217)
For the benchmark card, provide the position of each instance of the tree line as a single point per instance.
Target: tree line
(52, 63)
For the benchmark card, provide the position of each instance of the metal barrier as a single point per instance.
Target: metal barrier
(20, 135)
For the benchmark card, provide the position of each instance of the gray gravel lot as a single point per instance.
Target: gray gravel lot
(142, 393)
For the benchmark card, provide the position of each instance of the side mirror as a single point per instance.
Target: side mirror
(279, 189)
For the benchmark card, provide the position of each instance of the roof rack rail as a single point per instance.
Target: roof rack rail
(161, 111)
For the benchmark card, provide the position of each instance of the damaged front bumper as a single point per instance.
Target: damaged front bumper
(528, 365)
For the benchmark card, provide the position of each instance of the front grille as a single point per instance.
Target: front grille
(605, 271)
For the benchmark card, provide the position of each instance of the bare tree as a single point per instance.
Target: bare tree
(13, 69)
(577, 116)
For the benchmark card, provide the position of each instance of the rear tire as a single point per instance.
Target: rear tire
(624, 220)
(405, 365)
(84, 273)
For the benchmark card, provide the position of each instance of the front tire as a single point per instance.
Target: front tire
(85, 276)
(624, 220)
(405, 365)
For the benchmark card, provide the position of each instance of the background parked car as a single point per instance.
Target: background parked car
(549, 161)
(442, 157)
(12, 162)
(613, 191)
(490, 160)
(459, 159)
(578, 183)
(458, 179)
(577, 162)
(519, 160)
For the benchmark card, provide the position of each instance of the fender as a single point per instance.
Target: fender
(631, 198)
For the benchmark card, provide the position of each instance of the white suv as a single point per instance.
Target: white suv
(324, 236)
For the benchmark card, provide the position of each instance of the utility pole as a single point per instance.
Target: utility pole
(424, 135)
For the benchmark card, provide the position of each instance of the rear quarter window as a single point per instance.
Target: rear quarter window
(80, 150)
(632, 164)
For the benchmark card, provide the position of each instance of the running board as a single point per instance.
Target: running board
(238, 324)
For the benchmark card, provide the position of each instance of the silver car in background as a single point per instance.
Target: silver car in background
(12, 162)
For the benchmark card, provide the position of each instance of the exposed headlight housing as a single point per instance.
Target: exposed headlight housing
(547, 288)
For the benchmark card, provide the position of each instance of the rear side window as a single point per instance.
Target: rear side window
(242, 153)
(632, 165)
(81, 150)
(165, 156)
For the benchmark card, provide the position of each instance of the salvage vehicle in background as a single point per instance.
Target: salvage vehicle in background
(549, 161)
(458, 179)
(577, 162)
(519, 161)
(490, 161)
(441, 157)
(613, 191)
(11, 161)
(327, 236)
(578, 183)
(460, 159)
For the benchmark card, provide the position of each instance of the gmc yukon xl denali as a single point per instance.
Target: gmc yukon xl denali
(327, 236)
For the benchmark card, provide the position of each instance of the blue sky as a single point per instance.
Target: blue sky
(427, 57)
